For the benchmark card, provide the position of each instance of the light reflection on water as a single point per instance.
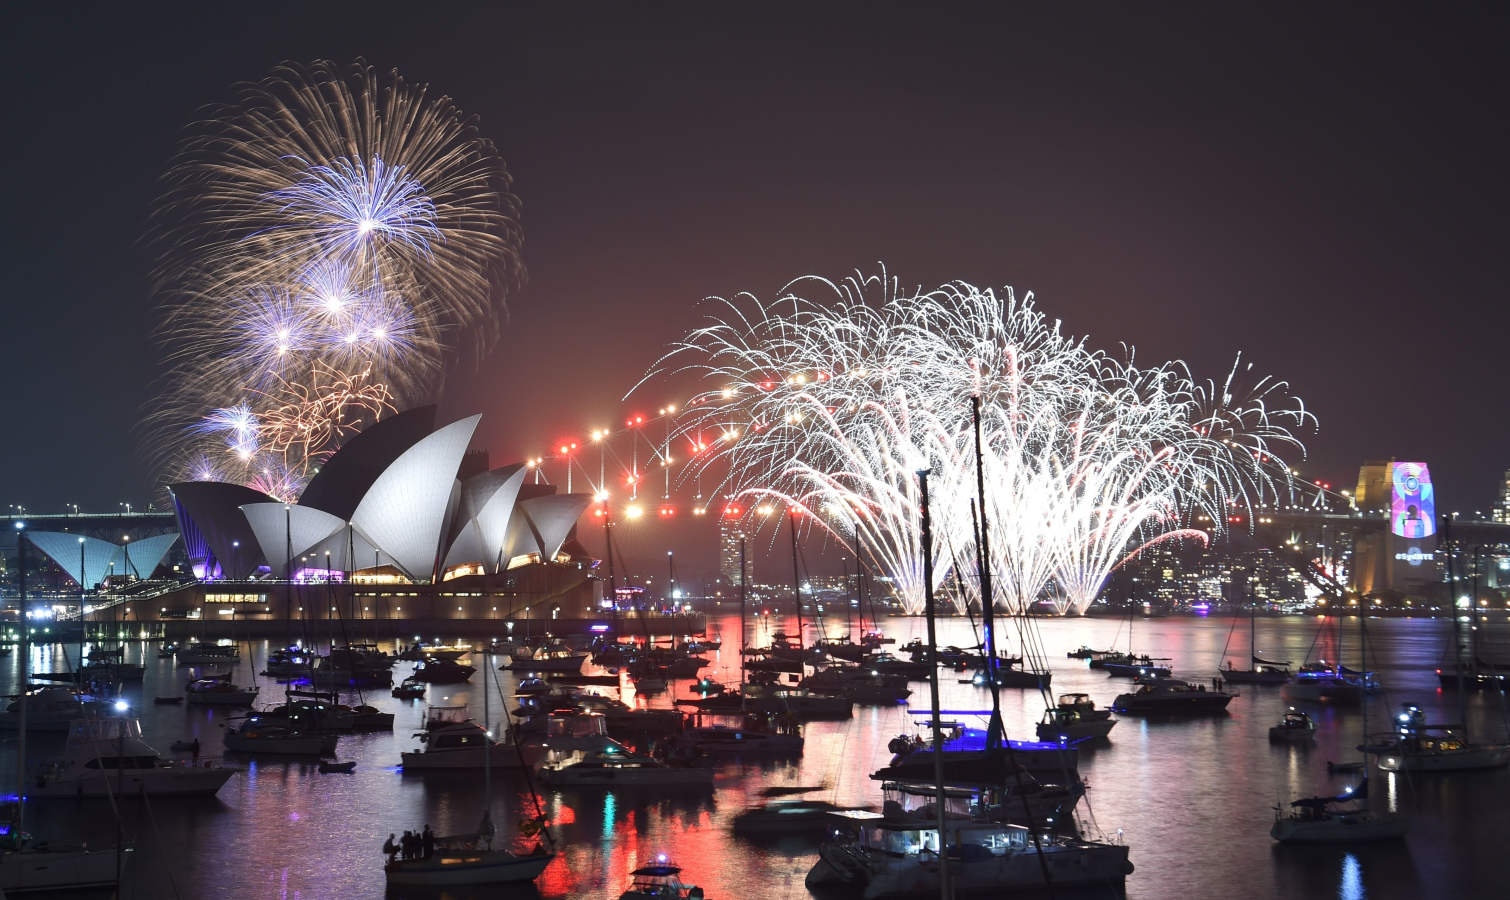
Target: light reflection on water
(1194, 798)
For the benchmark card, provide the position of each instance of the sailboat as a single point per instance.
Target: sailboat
(1130, 665)
(462, 859)
(27, 865)
(1326, 820)
(1264, 671)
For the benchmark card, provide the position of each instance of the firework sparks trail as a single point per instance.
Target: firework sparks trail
(328, 227)
(831, 406)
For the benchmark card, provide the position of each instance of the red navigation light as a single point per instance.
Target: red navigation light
(667, 511)
(731, 511)
(565, 449)
(599, 512)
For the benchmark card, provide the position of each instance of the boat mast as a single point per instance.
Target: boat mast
(796, 576)
(995, 729)
(742, 642)
(933, 688)
(25, 677)
(1457, 632)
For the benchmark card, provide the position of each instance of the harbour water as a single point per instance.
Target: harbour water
(1193, 798)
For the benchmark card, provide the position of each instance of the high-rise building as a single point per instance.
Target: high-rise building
(731, 530)
(1502, 505)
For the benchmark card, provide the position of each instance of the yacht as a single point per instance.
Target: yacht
(218, 691)
(612, 764)
(1419, 747)
(720, 740)
(203, 653)
(108, 756)
(465, 859)
(56, 708)
(1074, 718)
(555, 658)
(1319, 820)
(28, 866)
(1317, 684)
(409, 689)
(877, 689)
(466, 745)
(1263, 672)
(290, 662)
(807, 819)
(659, 880)
(259, 737)
(441, 671)
(803, 704)
(1126, 665)
(883, 857)
(1294, 728)
(1171, 696)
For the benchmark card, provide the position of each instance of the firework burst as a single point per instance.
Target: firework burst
(328, 228)
(838, 401)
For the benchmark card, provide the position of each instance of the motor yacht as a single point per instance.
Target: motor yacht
(289, 662)
(725, 740)
(409, 689)
(1126, 665)
(218, 691)
(258, 737)
(442, 671)
(28, 866)
(1075, 717)
(1324, 685)
(1294, 728)
(553, 658)
(877, 688)
(611, 764)
(802, 704)
(802, 819)
(108, 756)
(1171, 696)
(883, 857)
(659, 880)
(207, 654)
(466, 745)
(1419, 747)
(55, 708)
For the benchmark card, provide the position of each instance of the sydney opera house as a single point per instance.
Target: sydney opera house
(402, 527)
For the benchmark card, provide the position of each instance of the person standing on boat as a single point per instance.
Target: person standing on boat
(428, 839)
(390, 848)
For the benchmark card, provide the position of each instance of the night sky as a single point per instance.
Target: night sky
(1322, 188)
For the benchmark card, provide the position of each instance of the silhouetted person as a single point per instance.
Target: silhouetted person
(407, 845)
(390, 848)
(428, 839)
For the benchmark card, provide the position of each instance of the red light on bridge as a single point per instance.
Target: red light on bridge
(732, 512)
(667, 511)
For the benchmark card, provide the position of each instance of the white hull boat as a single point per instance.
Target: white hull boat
(109, 757)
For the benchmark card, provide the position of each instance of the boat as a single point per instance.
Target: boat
(1085, 652)
(809, 820)
(218, 691)
(1075, 717)
(467, 859)
(409, 689)
(554, 658)
(876, 689)
(205, 653)
(611, 764)
(168, 650)
(108, 756)
(1295, 727)
(465, 745)
(659, 880)
(30, 866)
(289, 662)
(883, 857)
(1010, 672)
(1419, 747)
(1171, 696)
(1264, 671)
(442, 671)
(256, 737)
(56, 708)
(802, 704)
(1321, 820)
(1322, 684)
(370, 718)
(1126, 665)
(721, 740)
(340, 768)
